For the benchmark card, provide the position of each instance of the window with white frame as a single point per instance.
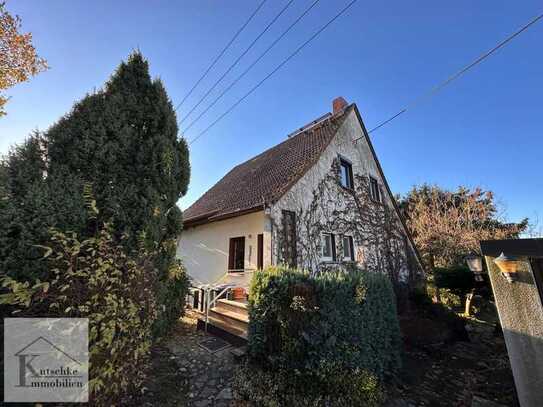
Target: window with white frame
(375, 192)
(348, 248)
(328, 247)
(346, 173)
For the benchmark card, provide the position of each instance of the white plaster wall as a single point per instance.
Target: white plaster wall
(204, 249)
(359, 153)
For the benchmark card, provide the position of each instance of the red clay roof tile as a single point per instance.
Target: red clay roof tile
(265, 178)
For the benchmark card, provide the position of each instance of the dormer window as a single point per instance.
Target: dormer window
(346, 173)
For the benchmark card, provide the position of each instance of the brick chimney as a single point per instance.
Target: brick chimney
(338, 104)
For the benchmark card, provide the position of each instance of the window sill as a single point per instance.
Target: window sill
(338, 262)
(348, 189)
(240, 271)
(330, 261)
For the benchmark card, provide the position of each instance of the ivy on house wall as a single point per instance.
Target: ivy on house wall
(379, 238)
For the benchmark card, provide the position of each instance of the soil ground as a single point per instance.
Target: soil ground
(463, 373)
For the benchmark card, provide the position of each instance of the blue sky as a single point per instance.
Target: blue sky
(484, 129)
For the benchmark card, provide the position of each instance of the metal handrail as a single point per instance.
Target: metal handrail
(209, 304)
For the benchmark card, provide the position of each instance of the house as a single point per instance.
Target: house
(319, 201)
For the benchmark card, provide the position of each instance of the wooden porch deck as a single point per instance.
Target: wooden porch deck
(229, 316)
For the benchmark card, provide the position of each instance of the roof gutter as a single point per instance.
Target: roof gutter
(204, 219)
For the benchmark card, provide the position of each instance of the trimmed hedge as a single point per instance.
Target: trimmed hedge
(315, 330)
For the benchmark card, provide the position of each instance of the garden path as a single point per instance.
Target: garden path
(209, 375)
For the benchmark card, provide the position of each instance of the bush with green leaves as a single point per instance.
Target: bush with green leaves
(279, 388)
(172, 289)
(317, 329)
(459, 280)
(95, 278)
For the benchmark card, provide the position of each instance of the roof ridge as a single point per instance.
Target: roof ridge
(313, 125)
(310, 125)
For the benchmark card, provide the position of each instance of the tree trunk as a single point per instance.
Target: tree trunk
(469, 298)
(437, 295)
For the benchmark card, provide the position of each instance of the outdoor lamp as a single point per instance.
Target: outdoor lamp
(475, 264)
(508, 265)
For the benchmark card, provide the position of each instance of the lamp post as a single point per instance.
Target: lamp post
(475, 264)
(508, 266)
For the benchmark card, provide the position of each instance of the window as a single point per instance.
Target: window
(375, 193)
(348, 248)
(346, 173)
(236, 255)
(328, 244)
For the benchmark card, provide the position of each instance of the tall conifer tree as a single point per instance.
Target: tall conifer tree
(123, 142)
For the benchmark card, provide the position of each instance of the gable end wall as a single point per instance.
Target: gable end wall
(321, 204)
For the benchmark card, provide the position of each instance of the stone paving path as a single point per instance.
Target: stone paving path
(209, 375)
(462, 374)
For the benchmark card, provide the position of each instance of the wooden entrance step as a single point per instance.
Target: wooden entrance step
(231, 319)
(228, 326)
(230, 316)
(237, 307)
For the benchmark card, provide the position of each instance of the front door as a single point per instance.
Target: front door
(236, 255)
(260, 252)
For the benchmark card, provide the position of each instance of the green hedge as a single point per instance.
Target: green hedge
(171, 289)
(317, 329)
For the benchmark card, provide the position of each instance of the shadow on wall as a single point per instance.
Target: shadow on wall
(520, 309)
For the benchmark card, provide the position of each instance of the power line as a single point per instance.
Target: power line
(456, 75)
(252, 65)
(221, 54)
(274, 71)
(238, 59)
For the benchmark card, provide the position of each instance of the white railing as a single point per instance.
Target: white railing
(210, 302)
(206, 297)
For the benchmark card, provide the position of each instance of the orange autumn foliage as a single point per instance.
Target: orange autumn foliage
(18, 57)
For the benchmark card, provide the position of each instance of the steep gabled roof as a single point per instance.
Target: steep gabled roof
(265, 178)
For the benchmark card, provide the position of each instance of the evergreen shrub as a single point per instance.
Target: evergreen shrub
(316, 332)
